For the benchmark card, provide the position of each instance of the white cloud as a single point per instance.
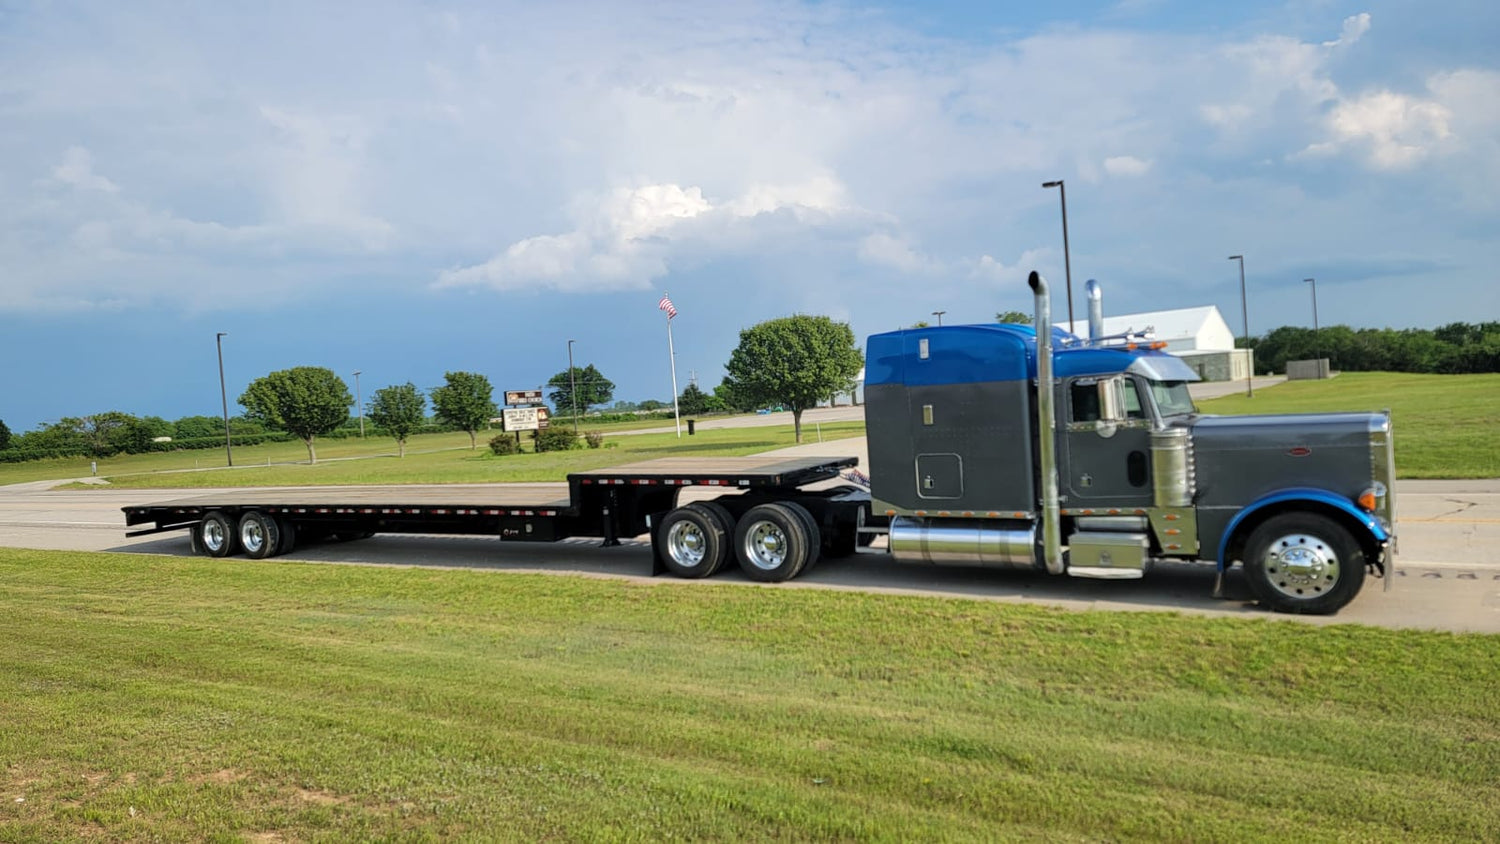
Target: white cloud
(77, 170)
(888, 250)
(1355, 26)
(1126, 165)
(1396, 130)
(627, 238)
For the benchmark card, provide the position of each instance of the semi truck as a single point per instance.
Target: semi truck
(1006, 446)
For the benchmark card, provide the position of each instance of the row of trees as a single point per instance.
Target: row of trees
(1454, 348)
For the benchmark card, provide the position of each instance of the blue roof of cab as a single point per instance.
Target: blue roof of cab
(968, 354)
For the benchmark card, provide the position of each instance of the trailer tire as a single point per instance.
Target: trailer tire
(770, 543)
(814, 535)
(216, 534)
(691, 542)
(259, 535)
(288, 541)
(1303, 563)
(726, 522)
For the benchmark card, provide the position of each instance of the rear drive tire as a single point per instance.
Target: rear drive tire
(259, 535)
(770, 543)
(216, 535)
(1304, 563)
(691, 542)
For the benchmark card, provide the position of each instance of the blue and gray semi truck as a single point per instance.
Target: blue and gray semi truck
(989, 446)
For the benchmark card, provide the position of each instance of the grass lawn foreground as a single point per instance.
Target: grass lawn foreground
(187, 699)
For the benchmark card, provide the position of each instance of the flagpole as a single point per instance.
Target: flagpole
(672, 354)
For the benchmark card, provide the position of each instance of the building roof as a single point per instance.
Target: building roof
(1172, 326)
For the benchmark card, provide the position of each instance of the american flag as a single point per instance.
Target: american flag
(666, 305)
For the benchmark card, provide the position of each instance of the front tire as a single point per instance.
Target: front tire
(1304, 563)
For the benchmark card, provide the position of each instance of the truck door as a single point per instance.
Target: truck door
(1106, 443)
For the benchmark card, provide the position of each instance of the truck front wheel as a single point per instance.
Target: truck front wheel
(1304, 563)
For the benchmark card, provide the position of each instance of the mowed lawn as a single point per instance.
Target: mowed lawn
(1445, 425)
(186, 699)
(440, 458)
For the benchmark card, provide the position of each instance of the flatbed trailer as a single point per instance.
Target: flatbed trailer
(764, 516)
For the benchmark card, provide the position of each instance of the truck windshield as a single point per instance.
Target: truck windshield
(1172, 398)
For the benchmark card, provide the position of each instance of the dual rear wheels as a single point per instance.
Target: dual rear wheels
(771, 542)
(256, 534)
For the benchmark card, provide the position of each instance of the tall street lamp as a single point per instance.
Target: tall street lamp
(573, 387)
(1245, 310)
(939, 315)
(1314, 283)
(224, 396)
(1062, 192)
(359, 404)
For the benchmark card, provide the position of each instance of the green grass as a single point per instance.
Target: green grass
(1445, 425)
(188, 699)
(454, 463)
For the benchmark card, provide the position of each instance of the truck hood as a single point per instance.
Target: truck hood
(1237, 459)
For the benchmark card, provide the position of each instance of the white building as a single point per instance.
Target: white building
(1199, 336)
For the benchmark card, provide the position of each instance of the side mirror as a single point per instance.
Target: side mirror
(1111, 406)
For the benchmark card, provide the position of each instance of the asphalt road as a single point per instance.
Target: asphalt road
(1447, 574)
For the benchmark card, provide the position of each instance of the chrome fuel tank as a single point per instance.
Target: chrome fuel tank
(964, 542)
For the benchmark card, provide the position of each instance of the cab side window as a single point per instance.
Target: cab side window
(1133, 407)
(1084, 397)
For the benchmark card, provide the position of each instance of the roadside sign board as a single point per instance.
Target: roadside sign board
(523, 396)
(524, 418)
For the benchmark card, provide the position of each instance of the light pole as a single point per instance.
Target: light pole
(1062, 191)
(939, 315)
(359, 404)
(224, 396)
(572, 387)
(1314, 283)
(1245, 310)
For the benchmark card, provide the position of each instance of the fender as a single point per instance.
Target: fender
(1321, 496)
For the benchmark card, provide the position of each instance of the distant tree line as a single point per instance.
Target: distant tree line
(1457, 347)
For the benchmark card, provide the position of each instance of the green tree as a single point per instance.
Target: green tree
(198, 427)
(796, 362)
(731, 398)
(465, 402)
(305, 401)
(694, 400)
(4, 435)
(921, 323)
(1014, 318)
(399, 411)
(593, 389)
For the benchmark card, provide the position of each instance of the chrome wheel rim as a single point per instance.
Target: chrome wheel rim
(686, 544)
(765, 546)
(213, 535)
(1301, 566)
(252, 536)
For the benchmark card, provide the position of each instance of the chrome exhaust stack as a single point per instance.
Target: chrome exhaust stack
(1046, 415)
(1096, 310)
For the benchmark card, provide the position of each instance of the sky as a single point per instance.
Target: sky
(404, 189)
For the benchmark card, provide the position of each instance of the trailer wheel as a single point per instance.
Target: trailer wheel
(260, 535)
(1304, 563)
(288, 541)
(691, 542)
(770, 543)
(810, 527)
(215, 535)
(726, 522)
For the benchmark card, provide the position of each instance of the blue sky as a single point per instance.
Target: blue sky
(410, 188)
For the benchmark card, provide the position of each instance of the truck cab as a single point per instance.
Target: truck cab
(994, 445)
